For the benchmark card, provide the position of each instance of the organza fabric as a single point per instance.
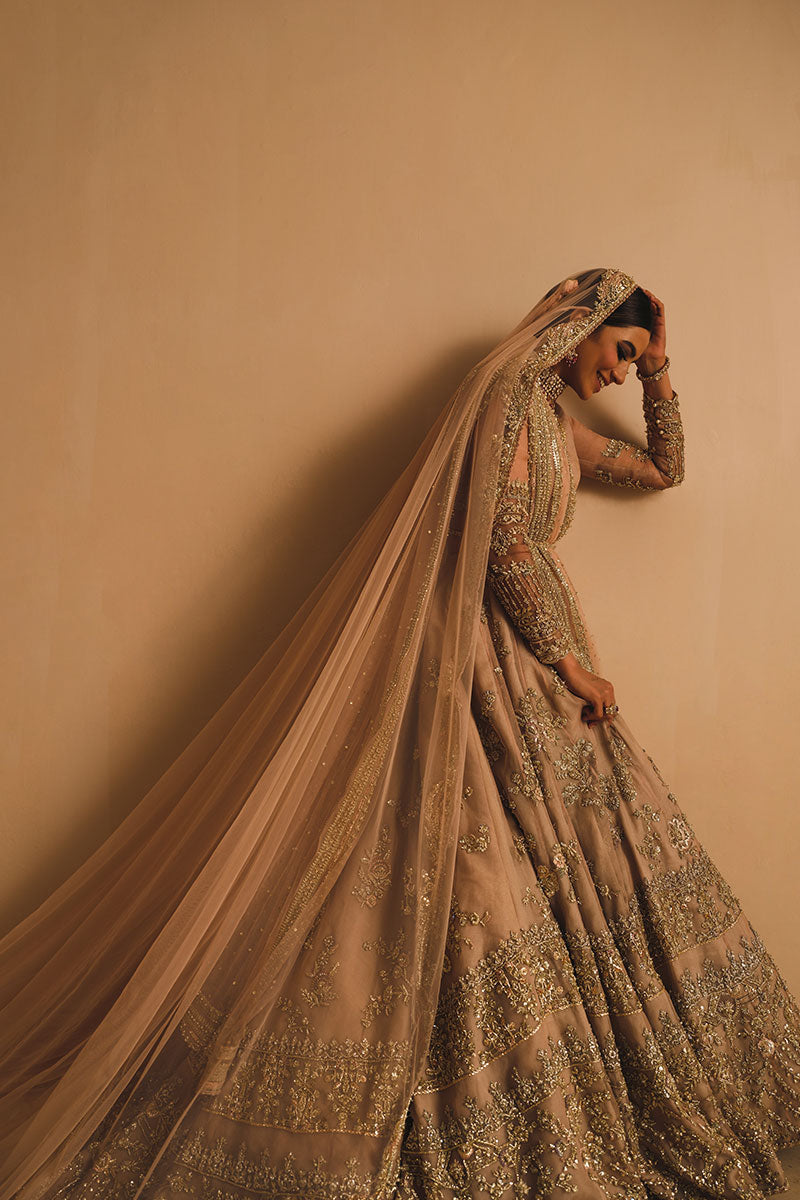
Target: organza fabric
(397, 922)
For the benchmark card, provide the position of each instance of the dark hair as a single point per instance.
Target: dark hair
(635, 310)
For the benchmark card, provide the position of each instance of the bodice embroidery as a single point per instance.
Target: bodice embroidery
(536, 497)
(550, 461)
(551, 465)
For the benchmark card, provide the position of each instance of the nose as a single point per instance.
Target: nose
(619, 373)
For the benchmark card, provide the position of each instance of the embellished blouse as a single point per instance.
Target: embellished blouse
(545, 453)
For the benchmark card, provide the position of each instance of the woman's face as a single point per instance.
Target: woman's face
(604, 357)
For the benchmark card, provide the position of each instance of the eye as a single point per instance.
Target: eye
(621, 352)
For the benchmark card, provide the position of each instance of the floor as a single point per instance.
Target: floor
(790, 1160)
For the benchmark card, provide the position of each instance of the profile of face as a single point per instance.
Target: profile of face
(604, 356)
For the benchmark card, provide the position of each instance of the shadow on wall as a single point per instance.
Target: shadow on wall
(295, 545)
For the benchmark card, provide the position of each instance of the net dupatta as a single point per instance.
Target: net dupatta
(212, 883)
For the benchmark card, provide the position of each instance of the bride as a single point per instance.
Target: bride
(414, 915)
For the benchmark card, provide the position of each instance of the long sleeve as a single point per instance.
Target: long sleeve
(512, 572)
(611, 460)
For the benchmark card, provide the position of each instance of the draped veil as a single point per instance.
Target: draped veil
(211, 885)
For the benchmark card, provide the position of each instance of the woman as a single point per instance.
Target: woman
(415, 916)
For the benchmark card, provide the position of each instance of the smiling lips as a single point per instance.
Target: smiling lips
(602, 381)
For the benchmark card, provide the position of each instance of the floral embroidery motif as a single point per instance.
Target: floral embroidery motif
(501, 648)
(586, 785)
(396, 986)
(458, 919)
(519, 1137)
(322, 972)
(563, 856)
(490, 739)
(374, 872)
(309, 1084)
(623, 765)
(203, 1168)
(476, 843)
(680, 833)
(613, 1087)
(650, 846)
(689, 905)
(498, 1003)
(117, 1171)
(538, 721)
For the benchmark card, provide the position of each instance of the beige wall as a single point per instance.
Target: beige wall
(250, 248)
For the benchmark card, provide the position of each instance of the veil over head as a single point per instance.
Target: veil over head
(209, 888)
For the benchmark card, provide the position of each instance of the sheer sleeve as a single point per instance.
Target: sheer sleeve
(614, 461)
(512, 572)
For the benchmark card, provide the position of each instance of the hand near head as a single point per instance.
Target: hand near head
(655, 352)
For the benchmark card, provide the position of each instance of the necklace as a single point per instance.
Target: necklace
(552, 383)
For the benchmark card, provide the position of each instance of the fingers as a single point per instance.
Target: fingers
(609, 701)
(604, 718)
(598, 695)
(595, 710)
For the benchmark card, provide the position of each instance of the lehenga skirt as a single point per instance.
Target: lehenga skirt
(609, 1023)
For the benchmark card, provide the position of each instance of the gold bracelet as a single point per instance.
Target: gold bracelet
(656, 374)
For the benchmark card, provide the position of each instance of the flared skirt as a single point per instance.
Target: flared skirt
(609, 1024)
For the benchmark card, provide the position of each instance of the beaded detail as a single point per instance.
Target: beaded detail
(663, 420)
(516, 587)
(551, 383)
(536, 476)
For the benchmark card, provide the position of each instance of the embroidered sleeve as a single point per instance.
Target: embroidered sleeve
(614, 461)
(513, 570)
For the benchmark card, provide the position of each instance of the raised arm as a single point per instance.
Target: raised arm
(612, 460)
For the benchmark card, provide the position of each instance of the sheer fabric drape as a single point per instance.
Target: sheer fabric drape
(206, 894)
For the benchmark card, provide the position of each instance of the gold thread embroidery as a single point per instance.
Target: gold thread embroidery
(374, 872)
